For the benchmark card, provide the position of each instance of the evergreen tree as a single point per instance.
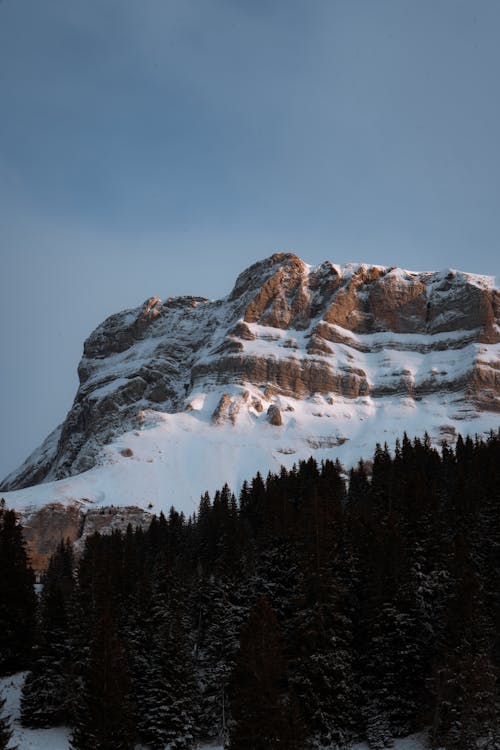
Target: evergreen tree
(263, 713)
(105, 718)
(466, 711)
(46, 691)
(17, 597)
(322, 664)
(465, 679)
(5, 729)
(169, 701)
(218, 622)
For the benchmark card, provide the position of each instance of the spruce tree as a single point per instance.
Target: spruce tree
(466, 712)
(168, 693)
(46, 694)
(105, 718)
(217, 641)
(5, 729)
(464, 683)
(17, 597)
(262, 710)
(322, 663)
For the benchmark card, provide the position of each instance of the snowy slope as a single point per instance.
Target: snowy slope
(176, 457)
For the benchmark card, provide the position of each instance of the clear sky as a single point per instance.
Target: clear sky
(158, 147)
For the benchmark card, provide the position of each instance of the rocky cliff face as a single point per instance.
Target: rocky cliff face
(44, 528)
(286, 331)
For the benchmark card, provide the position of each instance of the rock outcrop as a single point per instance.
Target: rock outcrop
(287, 330)
(46, 527)
(274, 416)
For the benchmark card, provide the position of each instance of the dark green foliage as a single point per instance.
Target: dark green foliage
(17, 597)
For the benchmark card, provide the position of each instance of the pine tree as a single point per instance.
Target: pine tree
(46, 695)
(105, 718)
(465, 679)
(5, 729)
(385, 608)
(322, 668)
(220, 609)
(262, 711)
(168, 693)
(17, 597)
(466, 698)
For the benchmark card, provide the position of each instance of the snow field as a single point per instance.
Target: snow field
(174, 458)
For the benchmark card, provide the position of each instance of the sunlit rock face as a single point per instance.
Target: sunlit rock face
(286, 330)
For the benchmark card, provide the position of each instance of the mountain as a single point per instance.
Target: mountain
(182, 395)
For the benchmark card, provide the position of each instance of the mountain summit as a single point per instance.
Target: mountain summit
(182, 395)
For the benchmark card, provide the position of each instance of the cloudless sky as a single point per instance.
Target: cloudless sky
(158, 147)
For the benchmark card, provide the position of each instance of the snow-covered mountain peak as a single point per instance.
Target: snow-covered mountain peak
(183, 394)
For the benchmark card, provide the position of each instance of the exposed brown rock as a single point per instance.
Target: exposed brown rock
(398, 304)
(298, 378)
(242, 331)
(221, 411)
(274, 416)
(318, 345)
(282, 301)
(45, 528)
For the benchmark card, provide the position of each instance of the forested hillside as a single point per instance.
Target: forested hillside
(315, 609)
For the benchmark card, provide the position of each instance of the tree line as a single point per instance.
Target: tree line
(314, 609)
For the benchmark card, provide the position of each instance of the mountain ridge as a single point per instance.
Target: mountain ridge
(348, 337)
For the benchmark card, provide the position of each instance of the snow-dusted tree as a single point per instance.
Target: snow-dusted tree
(466, 697)
(46, 692)
(322, 669)
(105, 719)
(169, 701)
(5, 729)
(219, 608)
(465, 679)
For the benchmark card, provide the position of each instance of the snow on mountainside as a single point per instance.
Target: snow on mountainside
(174, 458)
(181, 396)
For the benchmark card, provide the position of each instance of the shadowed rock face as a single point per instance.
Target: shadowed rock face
(353, 331)
(45, 528)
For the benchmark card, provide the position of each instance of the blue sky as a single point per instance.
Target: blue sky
(158, 147)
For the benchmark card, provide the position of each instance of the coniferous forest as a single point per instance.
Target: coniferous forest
(314, 609)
